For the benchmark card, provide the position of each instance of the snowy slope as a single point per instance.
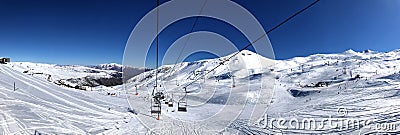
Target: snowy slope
(109, 66)
(70, 71)
(72, 75)
(365, 85)
(40, 106)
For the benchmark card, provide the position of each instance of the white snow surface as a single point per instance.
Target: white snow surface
(43, 107)
(366, 84)
(58, 72)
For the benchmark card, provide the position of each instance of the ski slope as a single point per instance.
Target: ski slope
(364, 85)
(351, 85)
(43, 107)
(59, 72)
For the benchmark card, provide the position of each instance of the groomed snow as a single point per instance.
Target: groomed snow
(366, 84)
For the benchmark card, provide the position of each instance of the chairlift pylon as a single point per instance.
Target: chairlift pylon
(156, 106)
(194, 76)
(171, 101)
(156, 95)
(136, 90)
(233, 81)
(166, 99)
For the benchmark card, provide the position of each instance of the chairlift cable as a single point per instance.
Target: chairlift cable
(156, 83)
(155, 107)
(259, 38)
(189, 36)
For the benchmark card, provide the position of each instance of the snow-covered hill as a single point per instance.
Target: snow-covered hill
(129, 71)
(364, 83)
(109, 66)
(39, 106)
(75, 76)
(362, 86)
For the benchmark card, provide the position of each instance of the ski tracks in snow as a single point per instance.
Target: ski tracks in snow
(59, 109)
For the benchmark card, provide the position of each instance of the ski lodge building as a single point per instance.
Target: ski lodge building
(4, 60)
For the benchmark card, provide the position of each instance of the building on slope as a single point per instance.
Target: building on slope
(4, 60)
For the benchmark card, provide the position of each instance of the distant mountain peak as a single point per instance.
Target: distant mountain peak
(396, 50)
(350, 51)
(367, 51)
(109, 66)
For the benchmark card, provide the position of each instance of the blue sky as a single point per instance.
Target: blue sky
(90, 32)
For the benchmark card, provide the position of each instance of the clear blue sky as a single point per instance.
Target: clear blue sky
(91, 32)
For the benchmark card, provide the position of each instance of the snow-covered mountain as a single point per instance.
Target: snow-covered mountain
(245, 63)
(366, 84)
(129, 71)
(30, 104)
(80, 77)
(109, 66)
(362, 86)
(362, 83)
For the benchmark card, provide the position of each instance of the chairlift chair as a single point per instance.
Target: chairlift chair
(170, 101)
(159, 95)
(166, 100)
(182, 103)
(156, 106)
(156, 102)
(182, 106)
